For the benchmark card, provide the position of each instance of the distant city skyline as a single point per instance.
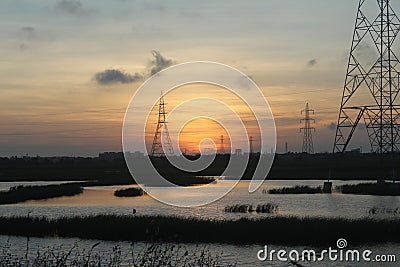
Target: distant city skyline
(68, 68)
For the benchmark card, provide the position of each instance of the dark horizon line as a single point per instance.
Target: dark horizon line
(141, 154)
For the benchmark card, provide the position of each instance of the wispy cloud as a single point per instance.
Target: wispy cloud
(332, 126)
(159, 62)
(312, 63)
(29, 36)
(23, 47)
(73, 7)
(27, 32)
(25, 35)
(112, 76)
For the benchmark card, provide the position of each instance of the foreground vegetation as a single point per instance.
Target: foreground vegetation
(271, 230)
(152, 255)
(23, 193)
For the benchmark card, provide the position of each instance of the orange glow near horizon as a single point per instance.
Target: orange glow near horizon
(199, 127)
(192, 135)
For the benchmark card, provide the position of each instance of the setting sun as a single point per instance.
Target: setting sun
(196, 112)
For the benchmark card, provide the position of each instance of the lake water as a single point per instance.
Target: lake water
(100, 200)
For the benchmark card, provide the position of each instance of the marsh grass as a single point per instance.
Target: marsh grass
(129, 192)
(246, 208)
(274, 230)
(296, 190)
(391, 211)
(155, 254)
(380, 189)
(23, 193)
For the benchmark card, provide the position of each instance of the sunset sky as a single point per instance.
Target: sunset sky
(68, 68)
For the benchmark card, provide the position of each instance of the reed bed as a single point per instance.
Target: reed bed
(380, 189)
(129, 192)
(23, 193)
(271, 230)
(376, 210)
(246, 208)
(156, 254)
(296, 190)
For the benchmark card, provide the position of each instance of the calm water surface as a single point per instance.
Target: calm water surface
(100, 200)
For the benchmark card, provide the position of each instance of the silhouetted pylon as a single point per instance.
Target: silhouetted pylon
(308, 145)
(372, 80)
(162, 144)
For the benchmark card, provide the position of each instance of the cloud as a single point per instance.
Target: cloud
(159, 62)
(24, 36)
(312, 63)
(27, 33)
(365, 52)
(332, 126)
(157, 6)
(189, 13)
(28, 37)
(112, 76)
(23, 47)
(364, 49)
(74, 7)
(362, 126)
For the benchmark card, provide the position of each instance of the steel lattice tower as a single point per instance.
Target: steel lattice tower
(251, 140)
(221, 146)
(308, 146)
(162, 144)
(379, 78)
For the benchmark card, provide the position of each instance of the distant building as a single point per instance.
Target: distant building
(120, 155)
(356, 151)
(238, 152)
(111, 155)
(136, 154)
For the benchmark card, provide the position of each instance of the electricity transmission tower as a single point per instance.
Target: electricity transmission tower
(162, 144)
(251, 140)
(372, 80)
(221, 147)
(308, 146)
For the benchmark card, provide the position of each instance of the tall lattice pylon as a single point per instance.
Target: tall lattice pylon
(251, 150)
(162, 144)
(308, 145)
(372, 80)
(221, 145)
